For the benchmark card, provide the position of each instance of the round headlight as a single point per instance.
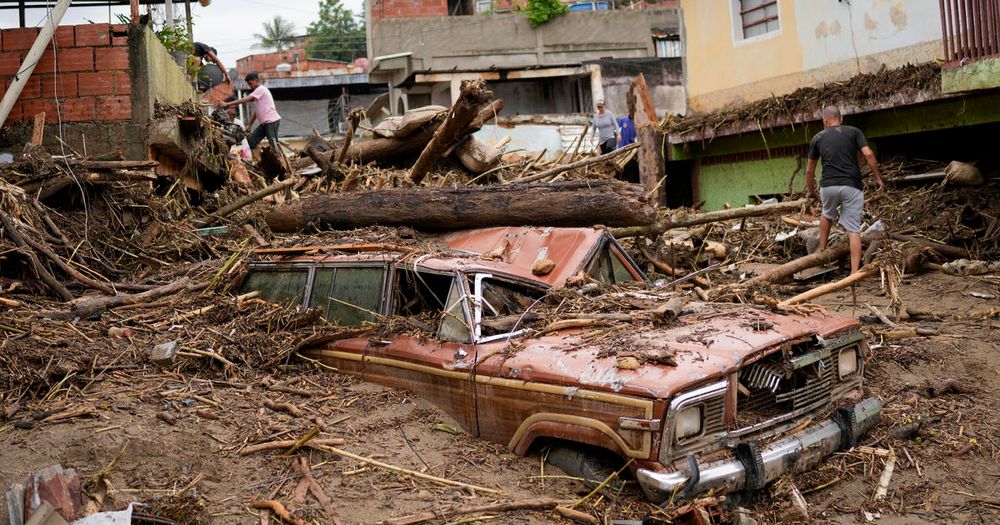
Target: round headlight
(847, 363)
(688, 422)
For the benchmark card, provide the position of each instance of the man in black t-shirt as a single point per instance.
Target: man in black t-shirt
(206, 52)
(841, 189)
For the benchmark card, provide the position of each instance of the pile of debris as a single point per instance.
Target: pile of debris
(803, 104)
(111, 270)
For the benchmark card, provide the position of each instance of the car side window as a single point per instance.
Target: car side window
(502, 306)
(277, 286)
(348, 296)
(618, 269)
(608, 266)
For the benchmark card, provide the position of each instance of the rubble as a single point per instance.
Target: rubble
(118, 310)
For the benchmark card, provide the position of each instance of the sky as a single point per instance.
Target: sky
(227, 25)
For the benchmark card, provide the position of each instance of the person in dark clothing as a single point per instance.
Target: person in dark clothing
(628, 135)
(205, 52)
(840, 190)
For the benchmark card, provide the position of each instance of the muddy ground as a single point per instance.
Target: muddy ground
(148, 460)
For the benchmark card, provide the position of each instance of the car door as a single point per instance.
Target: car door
(436, 366)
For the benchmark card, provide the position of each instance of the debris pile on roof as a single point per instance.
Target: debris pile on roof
(803, 104)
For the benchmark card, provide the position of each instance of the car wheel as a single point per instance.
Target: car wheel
(591, 464)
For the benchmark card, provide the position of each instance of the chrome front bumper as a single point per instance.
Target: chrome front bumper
(753, 467)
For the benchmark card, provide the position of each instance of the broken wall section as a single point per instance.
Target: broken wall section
(96, 83)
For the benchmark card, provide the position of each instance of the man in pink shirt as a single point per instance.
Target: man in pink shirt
(264, 111)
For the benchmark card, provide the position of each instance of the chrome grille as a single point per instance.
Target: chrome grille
(774, 389)
(713, 415)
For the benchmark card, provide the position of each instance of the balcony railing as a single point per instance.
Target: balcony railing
(970, 30)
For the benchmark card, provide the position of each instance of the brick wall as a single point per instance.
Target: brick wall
(86, 70)
(408, 8)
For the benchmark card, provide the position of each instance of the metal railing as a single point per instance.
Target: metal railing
(970, 30)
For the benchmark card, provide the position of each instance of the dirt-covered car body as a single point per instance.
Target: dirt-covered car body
(751, 394)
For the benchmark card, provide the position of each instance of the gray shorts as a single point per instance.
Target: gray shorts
(851, 204)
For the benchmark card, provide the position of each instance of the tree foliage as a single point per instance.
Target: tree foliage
(277, 35)
(541, 11)
(336, 35)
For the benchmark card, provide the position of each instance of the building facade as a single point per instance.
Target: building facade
(918, 77)
(423, 50)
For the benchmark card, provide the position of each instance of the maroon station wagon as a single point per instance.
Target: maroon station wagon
(754, 394)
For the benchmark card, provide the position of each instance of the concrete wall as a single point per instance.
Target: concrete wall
(664, 78)
(818, 42)
(508, 40)
(156, 75)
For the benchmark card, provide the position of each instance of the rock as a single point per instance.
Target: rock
(163, 354)
(167, 418)
(743, 517)
(57, 486)
(627, 363)
(795, 507)
(542, 266)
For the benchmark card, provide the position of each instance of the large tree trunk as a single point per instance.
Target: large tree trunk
(588, 203)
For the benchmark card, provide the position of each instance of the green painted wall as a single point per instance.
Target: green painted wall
(736, 182)
(947, 113)
(982, 74)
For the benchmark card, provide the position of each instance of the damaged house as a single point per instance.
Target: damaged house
(549, 76)
(919, 78)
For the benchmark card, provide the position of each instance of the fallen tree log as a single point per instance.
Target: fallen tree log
(224, 212)
(785, 272)
(827, 288)
(473, 95)
(571, 203)
(88, 308)
(668, 223)
(943, 249)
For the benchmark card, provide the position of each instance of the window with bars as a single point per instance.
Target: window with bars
(756, 17)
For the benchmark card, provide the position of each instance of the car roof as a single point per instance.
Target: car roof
(508, 251)
(513, 250)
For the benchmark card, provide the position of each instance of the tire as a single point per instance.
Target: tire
(593, 465)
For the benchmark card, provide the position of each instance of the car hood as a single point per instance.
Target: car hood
(707, 342)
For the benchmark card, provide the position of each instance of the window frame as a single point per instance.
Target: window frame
(311, 268)
(739, 29)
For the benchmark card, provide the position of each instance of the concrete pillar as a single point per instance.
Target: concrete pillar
(596, 88)
(168, 12)
(456, 89)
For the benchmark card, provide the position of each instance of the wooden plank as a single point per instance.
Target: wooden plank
(38, 129)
